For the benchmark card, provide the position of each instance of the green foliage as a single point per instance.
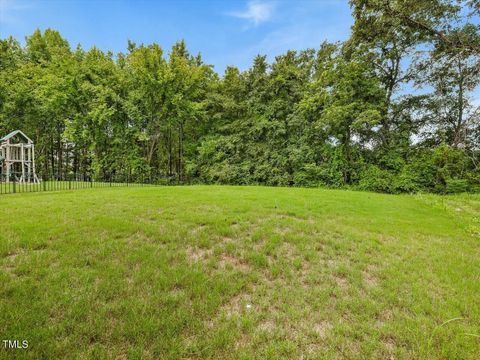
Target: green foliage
(455, 186)
(332, 117)
(375, 179)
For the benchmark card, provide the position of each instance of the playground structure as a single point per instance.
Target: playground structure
(17, 158)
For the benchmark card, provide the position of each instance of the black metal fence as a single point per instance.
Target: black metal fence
(50, 182)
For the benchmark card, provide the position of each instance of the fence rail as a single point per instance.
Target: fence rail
(50, 182)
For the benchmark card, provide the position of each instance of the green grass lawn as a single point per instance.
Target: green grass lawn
(239, 273)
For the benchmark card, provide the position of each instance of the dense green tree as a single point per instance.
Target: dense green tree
(389, 110)
(448, 24)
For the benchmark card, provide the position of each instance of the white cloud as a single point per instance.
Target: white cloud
(256, 12)
(297, 26)
(295, 36)
(8, 8)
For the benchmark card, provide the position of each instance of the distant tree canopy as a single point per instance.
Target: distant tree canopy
(388, 110)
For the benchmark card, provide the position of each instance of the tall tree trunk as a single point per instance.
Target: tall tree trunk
(347, 175)
(390, 83)
(459, 125)
(180, 152)
(59, 157)
(170, 160)
(151, 150)
(52, 156)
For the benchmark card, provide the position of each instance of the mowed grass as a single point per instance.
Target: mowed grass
(239, 273)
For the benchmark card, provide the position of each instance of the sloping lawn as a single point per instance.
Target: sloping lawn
(239, 273)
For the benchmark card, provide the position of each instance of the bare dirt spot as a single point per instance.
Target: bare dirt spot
(134, 269)
(122, 357)
(354, 347)
(227, 260)
(389, 345)
(322, 328)
(342, 282)
(149, 217)
(303, 274)
(227, 240)
(139, 235)
(312, 350)
(331, 263)
(234, 307)
(385, 315)
(242, 342)
(9, 262)
(11, 256)
(209, 208)
(267, 326)
(237, 305)
(288, 250)
(197, 230)
(235, 225)
(177, 293)
(369, 279)
(9, 269)
(284, 216)
(195, 254)
(282, 230)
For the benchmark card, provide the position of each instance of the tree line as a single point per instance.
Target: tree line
(388, 110)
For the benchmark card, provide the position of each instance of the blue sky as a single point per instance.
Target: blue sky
(225, 32)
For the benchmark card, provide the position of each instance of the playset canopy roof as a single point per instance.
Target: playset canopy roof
(15, 133)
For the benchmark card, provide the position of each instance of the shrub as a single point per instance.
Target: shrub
(375, 179)
(455, 186)
(309, 176)
(406, 181)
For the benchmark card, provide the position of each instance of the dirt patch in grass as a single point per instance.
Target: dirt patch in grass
(234, 225)
(288, 250)
(146, 219)
(9, 269)
(282, 230)
(234, 307)
(267, 326)
(149, 216)
(227, 260)
(322, 328)
(8, 264)
(227, 240)
(196, 254)
(11, 256)
(202, 209)
(237, 305)
(139, 235)
(389, 344)
(134, 269)
(369, 279)
(385, 316)
(198, 229)
(341, 282)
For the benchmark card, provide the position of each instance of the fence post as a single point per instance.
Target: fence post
(14, 185)
(44, 184)
(69, 183)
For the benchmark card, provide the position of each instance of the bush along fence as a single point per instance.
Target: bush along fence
(52, 182)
